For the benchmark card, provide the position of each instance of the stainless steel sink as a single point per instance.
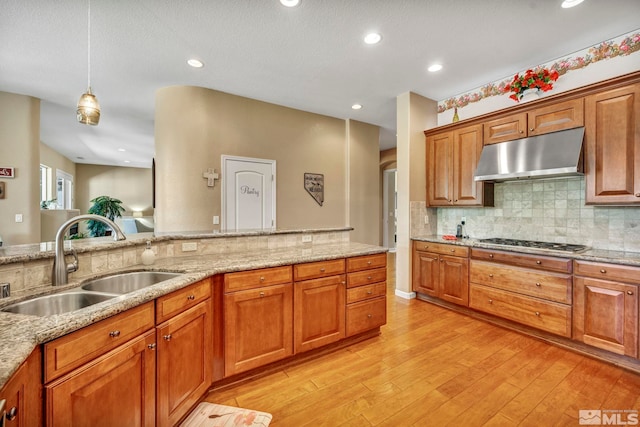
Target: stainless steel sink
(128, 282)
(57, 303)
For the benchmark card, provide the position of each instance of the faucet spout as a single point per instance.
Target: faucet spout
(60, 268)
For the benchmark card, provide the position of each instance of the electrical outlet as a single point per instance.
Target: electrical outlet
(307, 238)
(189, 246)
(18, 217)
(426, 219)
(216, 220)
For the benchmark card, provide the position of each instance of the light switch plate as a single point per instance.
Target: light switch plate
(18, 217)
(216, 220)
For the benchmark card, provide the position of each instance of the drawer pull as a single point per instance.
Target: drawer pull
(629, 292)
(538, 313)
(262, 278)
(261, 294)
(538, 262)
(453, 250)
(152, 346)
(603, 271)
(637, 194)
(167, 337)
(191, 297)
(490, 301)
(369, 316)
(371, 292)
(368, 277)
(12, 414)
(114, 334)
(490, 275)
(322, 270)
(435, 259)
(538, 284)
(344, 282)
(425, 247)
(368, 262)
(490, 255)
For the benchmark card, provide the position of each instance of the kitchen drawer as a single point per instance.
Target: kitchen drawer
(176, 302)
(66, 353)
(366, 262)
(441, 248)
(541, 262)
(362, 293)
(552, 286)
(257, 278)
(311, 270)
(622, 273)
(545, 315)
(366, 315)
(366, 277)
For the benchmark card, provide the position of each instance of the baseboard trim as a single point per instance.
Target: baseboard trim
(405, 295)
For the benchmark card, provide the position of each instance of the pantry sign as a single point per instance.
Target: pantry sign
(7, 172)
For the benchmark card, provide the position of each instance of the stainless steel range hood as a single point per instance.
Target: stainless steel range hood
(545, 156)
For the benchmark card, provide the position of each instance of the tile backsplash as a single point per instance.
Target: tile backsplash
(549, 210)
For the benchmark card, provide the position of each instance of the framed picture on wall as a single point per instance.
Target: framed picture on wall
(1, 190)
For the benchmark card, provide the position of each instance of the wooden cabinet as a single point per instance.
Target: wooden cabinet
(452, 158)
(528, 289)
(605, 310)
(612, 146)
(184, 351)
(441, 271)
(366, 307)
(117, 388)
(319, 315)
(258, 323)
(23, 393)
(559, 116)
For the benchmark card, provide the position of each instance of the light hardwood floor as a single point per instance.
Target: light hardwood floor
(434, 367)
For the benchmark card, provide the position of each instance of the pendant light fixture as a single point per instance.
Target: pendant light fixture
(88, 111)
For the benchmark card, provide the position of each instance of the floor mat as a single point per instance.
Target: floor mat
(214, 415)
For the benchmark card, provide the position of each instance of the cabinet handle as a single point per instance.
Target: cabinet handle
(435, 259)
(441, 260)
(371, 292)
(490, 301)
(322, 270)
(603, 271)
(368, 262)
(538, 313)
(490, 275)
(151, 346)
(538, 284)
(261, 294)
(344, 283)
(490, 255)
(191, 297)
(114, 334)
(637, 194)
(629, 292)
(12, 414)
(167, 337)
(369, 316)
(538, 262)
(521, 131)
(425, 247)
(531, 130)
(262, 278)
(453, 250)
(368, 277)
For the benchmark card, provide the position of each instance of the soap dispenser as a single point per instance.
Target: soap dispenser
(148, 256)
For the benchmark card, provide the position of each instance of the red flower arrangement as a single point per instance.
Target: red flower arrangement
(541, 79)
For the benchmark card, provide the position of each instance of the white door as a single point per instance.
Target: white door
(248, 193)
(64, 189)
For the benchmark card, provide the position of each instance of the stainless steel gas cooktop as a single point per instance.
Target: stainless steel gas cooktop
(566, 247)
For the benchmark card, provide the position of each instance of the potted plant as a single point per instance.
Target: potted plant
(539, 80)
(105, 206)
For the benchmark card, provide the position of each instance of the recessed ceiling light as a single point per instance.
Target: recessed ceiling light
(195, 63)
(435, 67)
(372, 38)
(121, 150)
(356, 106)
(570, 3)
(290, 3)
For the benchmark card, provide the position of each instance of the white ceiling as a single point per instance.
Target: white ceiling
(311, 57)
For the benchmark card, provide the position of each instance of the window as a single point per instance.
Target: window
(45, 183)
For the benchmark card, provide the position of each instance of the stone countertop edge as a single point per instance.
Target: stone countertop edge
(44, 250)
(20, 334)
(592, 255)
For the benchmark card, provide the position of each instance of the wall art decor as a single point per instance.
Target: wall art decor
(314, 184)
(1, 190)
(7, 172)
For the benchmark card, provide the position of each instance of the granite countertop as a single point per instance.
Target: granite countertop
(21, 333)
(594, 255)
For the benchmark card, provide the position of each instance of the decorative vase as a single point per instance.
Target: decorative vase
(530, 95)
(455, 115)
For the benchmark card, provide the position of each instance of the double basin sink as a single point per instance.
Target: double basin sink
(91, 292)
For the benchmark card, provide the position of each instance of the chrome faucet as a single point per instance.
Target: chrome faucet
(61, 269)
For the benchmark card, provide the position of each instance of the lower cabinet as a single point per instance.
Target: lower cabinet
(366, 293)
(441, 271)
(117, 388)
(23, 393)
(605, 310)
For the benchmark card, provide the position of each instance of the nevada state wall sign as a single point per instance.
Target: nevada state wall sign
(314, 184)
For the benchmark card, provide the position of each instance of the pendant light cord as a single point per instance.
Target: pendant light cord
(89, 45)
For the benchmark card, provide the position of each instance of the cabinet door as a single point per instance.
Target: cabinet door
(117, 389)
(440, 169)
(612, 138)
(605, 315)
(23, 393)
(559, 116)
(426, 271)
(258, 327)
(184, 362)
(467, 146)
(319, 312)
(505, 129)
(454, 280)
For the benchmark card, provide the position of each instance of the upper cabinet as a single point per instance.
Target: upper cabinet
(612, 140)
(562, 115)
(452, 158)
